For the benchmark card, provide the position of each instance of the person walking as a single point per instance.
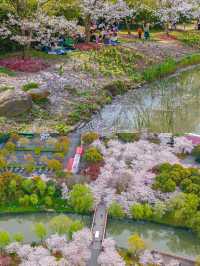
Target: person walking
(146, 31)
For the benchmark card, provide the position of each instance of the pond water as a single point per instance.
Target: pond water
(169, 105)
(163, 238)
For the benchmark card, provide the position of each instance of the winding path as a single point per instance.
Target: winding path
(98, 232)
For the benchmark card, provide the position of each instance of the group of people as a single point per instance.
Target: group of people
(102, 33)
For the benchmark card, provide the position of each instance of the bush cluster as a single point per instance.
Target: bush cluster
(19, 191)
(171, 176)
(90, 137)
(93, 155)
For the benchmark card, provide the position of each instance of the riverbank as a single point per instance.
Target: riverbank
(166, 239)
(90, 80)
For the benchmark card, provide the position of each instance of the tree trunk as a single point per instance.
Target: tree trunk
(87, 28)
(128, 26)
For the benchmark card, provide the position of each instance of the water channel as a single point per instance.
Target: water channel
(168, 105)
(164, 238)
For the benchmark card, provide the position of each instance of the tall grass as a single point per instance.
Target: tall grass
(170, 66)
(160, 70)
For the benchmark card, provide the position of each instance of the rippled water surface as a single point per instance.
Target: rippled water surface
(170, 105)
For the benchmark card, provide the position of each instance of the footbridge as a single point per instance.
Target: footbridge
(98, 230)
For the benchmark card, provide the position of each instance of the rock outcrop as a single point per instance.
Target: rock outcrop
(13, 103)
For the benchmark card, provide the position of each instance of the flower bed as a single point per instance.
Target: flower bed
(24, 65)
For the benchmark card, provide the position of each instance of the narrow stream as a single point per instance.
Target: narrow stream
(169, 105)
(164, 238)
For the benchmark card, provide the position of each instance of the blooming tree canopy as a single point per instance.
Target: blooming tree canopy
(95, 9)
(37, 28)
(110, 256)
(170, 11)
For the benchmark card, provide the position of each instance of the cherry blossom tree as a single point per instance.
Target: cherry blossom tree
(77, 252)
(170, 11)
(127, 175)
(37, 28)
(95, 9)
(109, 255)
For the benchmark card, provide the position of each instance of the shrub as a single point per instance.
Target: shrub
(115, 210)
(3, 162)
(59, 156)
(62, 144)
(129, 137)
(29, 167)
(37, 150)
(92, 155)
(10, 146)
(63, 128)
(54, 165)
(30, 86)
(90, 137)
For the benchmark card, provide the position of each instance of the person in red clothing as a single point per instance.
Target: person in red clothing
(139, 31)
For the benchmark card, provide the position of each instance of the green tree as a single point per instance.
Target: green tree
(135, 245)
(4, 239)
(148, 211)
(51, 190)
(28, 186)
(25, 200)
(159, 209)
(74, 227)
(18, 237)
(81, 198)
(48, 201)
(137, 211)
(34, 199)
(60, 224)
(115, 210)
(41, 186)
(40, 231)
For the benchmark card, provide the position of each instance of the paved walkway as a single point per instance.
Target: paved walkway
(98, 225)
(167, 258)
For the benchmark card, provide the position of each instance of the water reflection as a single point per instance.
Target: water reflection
(25, 223)
(164, 238)
(170, 105)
